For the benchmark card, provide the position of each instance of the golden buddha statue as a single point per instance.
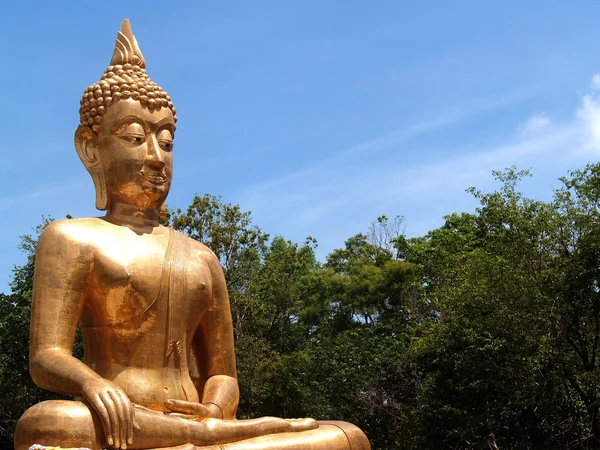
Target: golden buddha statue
(151, 303)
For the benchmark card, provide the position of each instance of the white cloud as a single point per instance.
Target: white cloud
(596, 81)
(589, 114)
(534, 123)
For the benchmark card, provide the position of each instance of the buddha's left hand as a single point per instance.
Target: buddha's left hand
(192, 410)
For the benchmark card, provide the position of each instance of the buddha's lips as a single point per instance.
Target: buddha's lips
(153, 177)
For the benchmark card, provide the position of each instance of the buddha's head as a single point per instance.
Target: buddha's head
(126, 133)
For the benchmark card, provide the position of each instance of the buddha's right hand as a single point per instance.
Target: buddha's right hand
(114, 409)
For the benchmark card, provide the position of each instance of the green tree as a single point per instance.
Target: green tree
(575, 310)
(357, 331)
(487, 360)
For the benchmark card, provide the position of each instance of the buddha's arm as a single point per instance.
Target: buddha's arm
(214, 344)
(63, 265)
(61, 270)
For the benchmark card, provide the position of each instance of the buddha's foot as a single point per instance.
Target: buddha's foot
(178, 447)
(273, 425)
(302, 424)
(216, 431)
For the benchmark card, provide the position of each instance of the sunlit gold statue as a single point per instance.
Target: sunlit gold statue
(152, 304)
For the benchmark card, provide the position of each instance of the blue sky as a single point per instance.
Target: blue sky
(318, 116)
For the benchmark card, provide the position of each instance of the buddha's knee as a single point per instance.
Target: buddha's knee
(59, 423)
(357, 440)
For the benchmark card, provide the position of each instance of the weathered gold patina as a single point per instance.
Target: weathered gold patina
(152, 303)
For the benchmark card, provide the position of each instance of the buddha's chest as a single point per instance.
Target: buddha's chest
(147, 284)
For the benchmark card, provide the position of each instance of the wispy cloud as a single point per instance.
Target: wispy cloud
(7, 202)
(534, 123)
(454, 115)
(381, 185)
(340, 195)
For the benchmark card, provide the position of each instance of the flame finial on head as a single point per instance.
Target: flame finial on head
(127, 50)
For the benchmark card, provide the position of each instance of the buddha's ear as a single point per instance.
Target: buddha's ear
(86, 144)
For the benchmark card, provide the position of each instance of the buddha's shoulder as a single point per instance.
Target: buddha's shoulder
(197, 247)
(83, 230)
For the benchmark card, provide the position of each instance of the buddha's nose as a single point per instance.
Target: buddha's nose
(154, 157)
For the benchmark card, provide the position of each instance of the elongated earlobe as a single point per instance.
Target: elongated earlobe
(86, 144)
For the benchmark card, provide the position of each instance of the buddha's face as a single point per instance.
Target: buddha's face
(136, 150)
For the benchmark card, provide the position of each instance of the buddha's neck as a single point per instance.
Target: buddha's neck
(133, 216)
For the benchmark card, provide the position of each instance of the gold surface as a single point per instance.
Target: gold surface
(152, 303)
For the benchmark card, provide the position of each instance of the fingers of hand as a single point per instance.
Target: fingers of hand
(123, 419)
(100, 408)
(113, 416)
(115, 412)
(130, 418)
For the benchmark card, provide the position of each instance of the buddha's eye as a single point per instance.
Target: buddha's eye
(133, 133)
(165, 140)
(137, 140)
